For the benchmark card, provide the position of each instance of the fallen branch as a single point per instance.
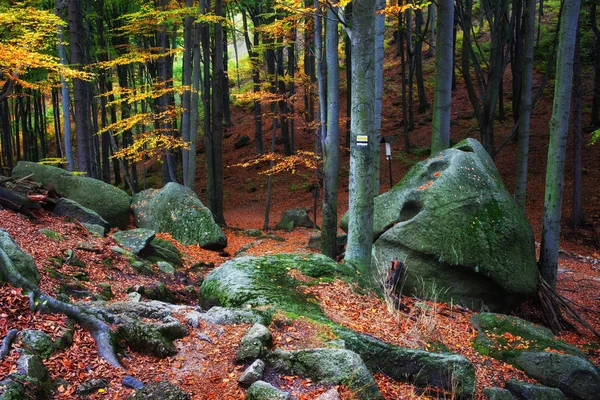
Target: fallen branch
(7, 343)
(99, 330)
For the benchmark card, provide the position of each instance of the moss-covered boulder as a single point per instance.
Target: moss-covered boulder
(261, 390)
(235, 316)
(177, 210)
(293, 218)
(493, 393)
(134, 240)
(72, 209)
(505, 337)
(37, 342)
(528, 391)
(162, 250)
(269, 281)
(107, 200)
(11, 390)
(148, 338)
(254, 343)
(421, 368)
(328, 366)
(458, 231)
(161, 390)
(23, 262)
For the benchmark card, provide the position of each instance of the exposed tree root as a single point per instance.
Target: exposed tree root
(7, 342)
(555, 307)
(99, 330)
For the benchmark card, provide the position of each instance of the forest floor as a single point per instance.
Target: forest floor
(207, 369)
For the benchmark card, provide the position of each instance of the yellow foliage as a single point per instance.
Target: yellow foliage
(283, 163)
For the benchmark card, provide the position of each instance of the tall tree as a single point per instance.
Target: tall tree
(331, 144)
(360, 213)
(559, 126)
(64, 91)
(577, 217)
(379, 61)
(525, 104)
(596, 100)
(444, 64)
(186, 97)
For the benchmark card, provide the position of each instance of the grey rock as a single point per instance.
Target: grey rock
(261, 390)
(144, 309)
(23, 262)
(134, 297)
(193, 319)
(95, 230)
(314, 242)
(229, 316)
(37, 342)
(253, 373)
(163, 250)
(146, 338)
(527, 391)
(254, 343)
(131, 382)
(161, 390)
(107, 200)
(497, 394)
(253, 232)
(177, 210)
(421, 368)
(91, 386)
(331, 394)
(204, 337)
(157, 291)
(32, 365)
(576, 377)
(165, 267)
(135, 240)
(293, 218)
(458, 230)
(327, 366)
(73, 209)
(11, 390)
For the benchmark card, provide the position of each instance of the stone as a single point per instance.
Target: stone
(265, 281)
(331, 394)
(105, 290)
(458, 231)
(254, 343)
(145, 309)
(161, 390)
(166, 267)
(131, 382)
(576, 377)
(491, 341)
(497, 394)
(327, 366)
(261, 390)
(527, 391)
(176, 209)
(314, 242)
(293, 218)
(72, 209)
(241, 141)
(447, 371)
(110, 202)
(253, 373)
(95, 230)
(163, 250)
(229, 316)
(37, 342)
(91, 386)
(134, 240)
(145, 338)
(32, 365)
(11, 390)
(253, 232)
(23, 262)
(157, 291)
(134, 297)
(192, 319)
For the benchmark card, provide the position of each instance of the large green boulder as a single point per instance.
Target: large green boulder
(134, 240)
(23, 262)
(177, 210)
(458, 231)
(328, 366)
(107, 200)
(268, 281)
(72, 209)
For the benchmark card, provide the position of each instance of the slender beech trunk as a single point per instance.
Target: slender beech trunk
(423, 103)
(255, 63)
(186, 97)
(196, 76)
(348, 54)
(331, 145)
(577, 217)
(321, 77)
(596, 100)
(442, 98)
(525, 104)
(379, 61)
(559, 126)
(360, 212)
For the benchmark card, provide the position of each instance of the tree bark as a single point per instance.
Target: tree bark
(442, 99)
(559, 126)
(360, 221)
(186, 97)
(577, 217)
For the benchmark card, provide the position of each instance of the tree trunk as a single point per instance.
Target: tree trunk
(379, 63)
(321, 77)
(331, 146)
(577, 217)
(360, 221)
(525, 104)
(186, 97)
(559, 126)
(80, 87)
(423, 103)
(595, 121)
(442, 99)
(196, 76)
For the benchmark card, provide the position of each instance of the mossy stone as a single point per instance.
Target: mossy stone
(23, 262)
(261, 390)
(161, 390)
(163, 250)
(135, 240)
(177, 210)
(37, 342)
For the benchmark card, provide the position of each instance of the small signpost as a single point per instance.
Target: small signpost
(388, 140)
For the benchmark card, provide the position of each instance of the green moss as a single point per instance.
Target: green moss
(504, 337)
(50, 234)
